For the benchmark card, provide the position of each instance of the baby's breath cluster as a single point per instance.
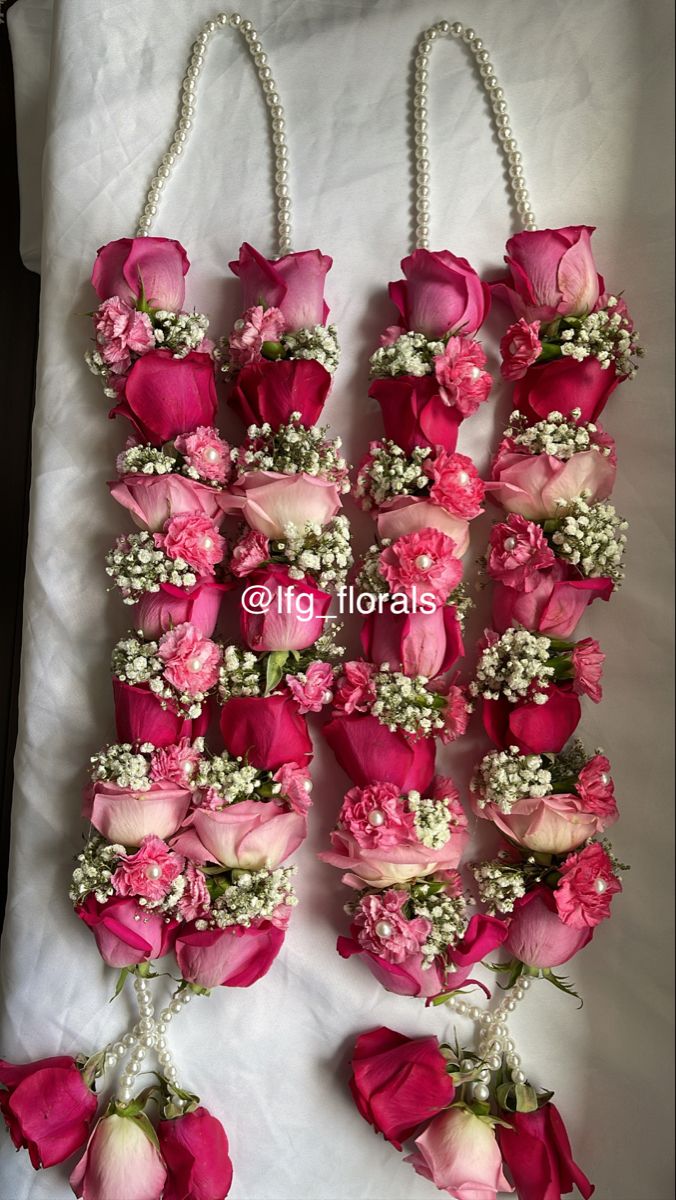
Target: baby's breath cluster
(499, 884)
(432, 819)
(503, 777)
(558, 435)
(604, 335)
(321, 551)
(591, 537)
(124, 766)
(250, 896)
(179, 332)
(137, 565)
(294, 448)
(388, 471)
(446, 914)
(98, 366)
(240, 674)
(96, 865)
(405, 702)
(515, 665)
(410, 354)
(320, 343)
(145, 460)
(226, 780)
(135, 662)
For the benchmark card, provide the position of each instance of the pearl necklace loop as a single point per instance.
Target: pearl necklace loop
(501, 120)
(188, 104)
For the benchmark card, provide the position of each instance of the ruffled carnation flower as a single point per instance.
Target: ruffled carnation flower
(256, 326)
(520, 348)
(383, 929)
(518, 552)
(175, 764)
(456, 485)
(191, 661)
(206, 453)
(356, 691)
(312, 690)
(596, 788)
(120, 332)
(377, 816)
(249, 553)
(194, 901)
(588, 659)
(463, 382)
(296, 786)
(195, 539)
(586, 887)
(425, 561)
(456, 715)
(149, 872)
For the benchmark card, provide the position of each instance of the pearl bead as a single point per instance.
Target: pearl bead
(376, 818)
(518, 1076)
(509, 543)
(467, 1064)
(384, 929)
(153, 871)
(494, 1062)
(463, 478)
(456, 29)
(423, 561)
(600, 886)
(196, 664)
(512, 1060)
(480, 1091)
(605, 778)
(124, 1095)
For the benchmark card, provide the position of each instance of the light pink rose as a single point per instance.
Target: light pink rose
(553, 824)
(252, 834)
(520, 348)
(421, 562)
(150, 266)
(456, 484)
(269, 501)
(289, 614)
(120, 332)
(588, 659)
(149, 872)
(518, 553)
(596, 788)
(533, 484)
(459, 370)
(384, 930)
(128, 817)
(191, 661)
(417, 643)
(356, 691)
(205, 451)
(552, 273)
(408, 514)
(441, 292)
(586, 887)
(537, 936)
(175, 764)
(195, 539)
(294, 284)
(255, 326)
(121, 1161)
(249, 553)
(459, 1153)
(312, 690)
(153, 499)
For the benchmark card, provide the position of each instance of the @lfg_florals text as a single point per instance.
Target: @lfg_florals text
(289, 601)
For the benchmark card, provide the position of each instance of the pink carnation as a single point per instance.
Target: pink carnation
(588, 659)
(120, 332)
(256, 326)
(383, 929)
(195, 900)
(206, 453)
(149, 872)
(456, 485)
(463, 383)
(296, 786)
(586, 887)
(312, 690)
(595, 787)
(518, 552)
(191, 661)
(249, 553)
(376, 816)
(456, 715)
(175, 764)
(425, 561)
(195, 539)
(520, 348)
(356, 691)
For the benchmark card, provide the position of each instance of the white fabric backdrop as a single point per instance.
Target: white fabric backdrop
(588, 88)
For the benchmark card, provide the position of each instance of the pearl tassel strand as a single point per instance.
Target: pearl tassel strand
(181, 134)
(501, 118)
(494, 1039)
(149, 1033)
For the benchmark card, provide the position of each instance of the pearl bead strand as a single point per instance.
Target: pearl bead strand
(181, 134)
(494, 1039)
(501, 119)
(147, 1034)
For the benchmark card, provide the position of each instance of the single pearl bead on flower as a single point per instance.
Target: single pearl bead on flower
(153, 871)
(384, 929)
(212, 455)
(463, 477)
(196, 664)
(510, 543)
(600, 886)
(376, 817)
(208, 543)
(423, 561)
(605, 778)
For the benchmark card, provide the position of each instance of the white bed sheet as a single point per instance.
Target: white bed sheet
(588, 88)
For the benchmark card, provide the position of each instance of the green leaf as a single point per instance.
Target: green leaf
(274, 669)
(526, 1098)
(121, 980)
(148, 1128)
(562, 984)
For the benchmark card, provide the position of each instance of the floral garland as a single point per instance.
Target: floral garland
(187, 844)
(473, 1114)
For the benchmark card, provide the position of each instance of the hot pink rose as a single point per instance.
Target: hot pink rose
(586, 887)
(398, 1083)
(536, 1149)
(250, 552)
(148, 267)
(194, 538)
(565, 384)
(199, 606)
(205, 452)
(191, 661)
(458, 1152)
(128, 817)
(120, 1160)
(153, 499)
(256, 326)
(368, 751)
(555, 604)
(294, 284)
(120, 332)
(460, 373)
(269, 501)
(141, 717)
(312, 689)
(272, 391)
(518, 553)
(552, 273)
(421, 562)
(267, 730)
(441, 292)
(195, 1150)
(232, 957)
(410, 514)
(596, 788)
(456, 484)
(553, 824)
(415, 413)
(533, 484)
(149, 872)
(125, 933)
(534, 728)
(538, 937)
(415, 643)
(588, 659)
(166, 396)
(356, 690)
(289, 614)
(252, 834)
(47, 1107)
(519, 349)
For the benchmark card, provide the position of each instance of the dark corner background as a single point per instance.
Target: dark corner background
(19, 296)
